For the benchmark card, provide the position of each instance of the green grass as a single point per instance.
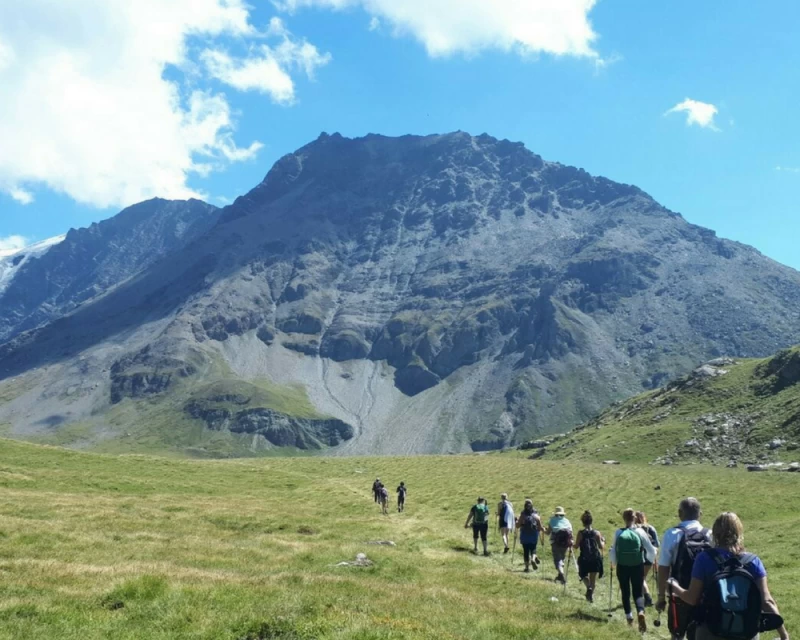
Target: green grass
(131, 547)
(653, 424)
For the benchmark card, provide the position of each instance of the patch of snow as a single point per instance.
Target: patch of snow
(11, 260)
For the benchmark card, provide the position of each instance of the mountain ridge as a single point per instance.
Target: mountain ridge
(437, 293)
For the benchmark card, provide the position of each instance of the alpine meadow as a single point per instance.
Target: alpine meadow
(399, 320)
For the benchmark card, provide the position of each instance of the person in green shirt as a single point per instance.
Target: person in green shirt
(479, 518)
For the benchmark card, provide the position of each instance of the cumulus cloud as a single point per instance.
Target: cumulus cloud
(699, 113)
(268, 68)
(101, 99)
(11, 244)
(446, 27)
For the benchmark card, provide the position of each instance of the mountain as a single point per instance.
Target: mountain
(49, 279)
(725, 412)
(398, 295)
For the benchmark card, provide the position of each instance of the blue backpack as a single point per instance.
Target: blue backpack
(732, 600)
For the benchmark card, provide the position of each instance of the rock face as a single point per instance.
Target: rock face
(279, 429)
(439, 293)
(87, 262)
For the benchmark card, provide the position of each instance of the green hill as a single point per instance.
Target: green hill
(725, 412)
(130, 547)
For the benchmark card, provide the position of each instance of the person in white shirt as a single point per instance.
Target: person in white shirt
(628, 553)
(672, 565)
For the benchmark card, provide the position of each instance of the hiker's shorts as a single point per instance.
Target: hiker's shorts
(481, 530)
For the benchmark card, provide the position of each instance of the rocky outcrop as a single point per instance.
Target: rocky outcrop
(279, 429)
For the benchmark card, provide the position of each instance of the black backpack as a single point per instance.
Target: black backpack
(590, 547)
(732, 600)
(529, 522)
(691, 545)
(562, 538)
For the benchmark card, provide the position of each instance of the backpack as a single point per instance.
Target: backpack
(691, 545)
(481, 514)
(590, 548)
(529, 522)
(562, 538)
(629, 548)
(501, 512)
(732, 600)
(651, 533)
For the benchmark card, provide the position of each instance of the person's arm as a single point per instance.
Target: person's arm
(578, 540)
(601, 541)
(469, 518)
(690, 596)
(539, 525)
(768, 605)
(612, 553)
(664, 568)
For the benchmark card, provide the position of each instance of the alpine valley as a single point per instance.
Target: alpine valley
(378, 295)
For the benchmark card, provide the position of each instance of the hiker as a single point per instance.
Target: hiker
(479, 517)
(650, 530)
(376, 489)
(384, 499)
(401, 497)
(628, 553)
(591, 544)
(725, 577)
(560, 531)
(505, 519)
(679, 548)
(529, 526)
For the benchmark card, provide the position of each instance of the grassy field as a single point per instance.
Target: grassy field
(95, 546)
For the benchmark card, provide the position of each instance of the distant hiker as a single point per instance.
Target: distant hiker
(401, 497)
(679, 548)
(650, 530)
(505, 519)
(560, 531)
(591, 544)
(628, 553)
(383, 495)
(529, 526)
(479, 517)
(376, 489)
(730, 587)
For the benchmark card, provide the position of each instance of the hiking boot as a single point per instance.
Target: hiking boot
(648, 601)
(506, 550)
(527, 569)
(642, 622)
(474, 552)
(590, 595)
(630, 620)
(486, 554)
(536, 562)
(560, 578)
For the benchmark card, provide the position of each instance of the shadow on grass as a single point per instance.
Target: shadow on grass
(583, 616)
(461, 549)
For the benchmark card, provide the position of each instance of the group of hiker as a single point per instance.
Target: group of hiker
(710, 587)
(381, 495)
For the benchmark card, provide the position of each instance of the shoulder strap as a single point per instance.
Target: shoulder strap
(718, 559)
(747, 558)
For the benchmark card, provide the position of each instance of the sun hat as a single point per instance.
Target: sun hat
(559, 511)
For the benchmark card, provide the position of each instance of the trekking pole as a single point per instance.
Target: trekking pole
(611, 592)
(566, 571)
(514, 547)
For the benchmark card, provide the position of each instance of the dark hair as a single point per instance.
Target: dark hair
(587, 519)
(481, 499)
(689, 509)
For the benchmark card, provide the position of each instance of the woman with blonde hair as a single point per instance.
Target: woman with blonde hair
(630, 550)
(728, 559)
(650, 530)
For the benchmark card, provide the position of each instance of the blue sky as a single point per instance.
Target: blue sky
(118, 122)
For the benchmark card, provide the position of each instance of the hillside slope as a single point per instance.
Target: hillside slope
(725, 412)
(434, 294)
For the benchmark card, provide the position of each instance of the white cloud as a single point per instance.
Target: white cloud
(11, 244)
(20, 195)
(375, 24)
(446, 27)
(268, 70)
(94, 104)
(699, 113)
(787, 169)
